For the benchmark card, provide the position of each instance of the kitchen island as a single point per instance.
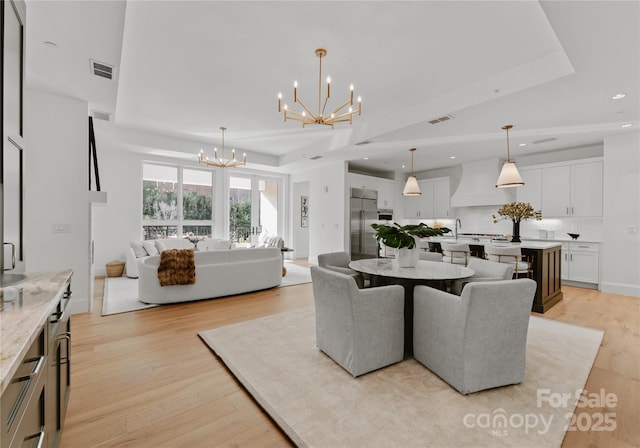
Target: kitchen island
(545, 258)
(35, 361)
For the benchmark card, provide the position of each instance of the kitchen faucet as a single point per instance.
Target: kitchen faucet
(455, 233)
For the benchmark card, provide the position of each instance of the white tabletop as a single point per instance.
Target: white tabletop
(424, 270)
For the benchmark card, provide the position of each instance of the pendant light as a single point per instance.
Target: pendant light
(411, 188)
(509, 176)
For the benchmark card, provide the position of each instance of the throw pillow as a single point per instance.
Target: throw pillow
(161, 246)
(150, 247)
(138, 249)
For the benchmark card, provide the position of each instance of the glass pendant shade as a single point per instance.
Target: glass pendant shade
(411, 188)
(509, 176)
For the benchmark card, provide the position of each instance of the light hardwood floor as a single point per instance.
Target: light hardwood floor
(145, 379)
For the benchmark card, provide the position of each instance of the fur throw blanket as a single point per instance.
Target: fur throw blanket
(177, 267)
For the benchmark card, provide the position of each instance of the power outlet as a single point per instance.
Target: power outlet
(632, 229)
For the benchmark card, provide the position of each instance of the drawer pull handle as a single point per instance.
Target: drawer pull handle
(40, 360)
(40, 436)
(585, 247)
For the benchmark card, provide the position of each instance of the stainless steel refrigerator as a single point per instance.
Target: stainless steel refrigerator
(364, 212)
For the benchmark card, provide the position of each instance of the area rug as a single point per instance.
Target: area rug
(121, 296)
(296, 274)
(318, 404)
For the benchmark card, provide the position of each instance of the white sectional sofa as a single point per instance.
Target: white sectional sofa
(218, 273)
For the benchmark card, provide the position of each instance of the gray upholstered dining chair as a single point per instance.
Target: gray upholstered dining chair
(484, 271)
(477, 340)
(360, 329)
(339, 262)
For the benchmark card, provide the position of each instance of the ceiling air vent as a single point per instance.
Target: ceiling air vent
(440, 119)
(101, 69)
(545, 140)
(315, 157)
(364, 142)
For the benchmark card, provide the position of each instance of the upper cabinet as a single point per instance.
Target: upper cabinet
(531, 191)
(433, 203)
(572, 190)
(384, 187)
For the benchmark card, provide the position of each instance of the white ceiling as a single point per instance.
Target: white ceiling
(183, 69)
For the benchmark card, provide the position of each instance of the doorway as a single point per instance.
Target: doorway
(253, 208)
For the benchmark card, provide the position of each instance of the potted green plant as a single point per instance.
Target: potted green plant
(403, 239)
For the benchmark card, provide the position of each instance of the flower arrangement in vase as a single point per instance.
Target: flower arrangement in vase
(516, 212)
(194, 239)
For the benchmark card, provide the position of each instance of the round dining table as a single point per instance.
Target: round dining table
(385, 271)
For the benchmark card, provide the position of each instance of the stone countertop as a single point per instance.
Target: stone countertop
(525, 244)
(24, 308)
(561, 240)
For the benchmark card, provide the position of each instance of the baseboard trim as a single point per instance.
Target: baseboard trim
(620, 288)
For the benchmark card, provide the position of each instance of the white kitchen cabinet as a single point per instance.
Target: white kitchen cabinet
(441, 198)
(433, 203)
(572, 190)
(384, 187)
(580, 262)
(531, 191)
(386, 192)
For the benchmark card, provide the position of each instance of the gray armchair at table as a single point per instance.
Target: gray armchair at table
(484, 271)
(339, 262)
(475, 341)
(360, 329)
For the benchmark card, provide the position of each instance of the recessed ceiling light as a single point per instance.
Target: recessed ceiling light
(617, 96)
(366, 158)
(403, 166)
(522, 144)
(627, 125)
(452, 157)
(50, 44)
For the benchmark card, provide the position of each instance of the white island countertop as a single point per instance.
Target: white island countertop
(526, 244)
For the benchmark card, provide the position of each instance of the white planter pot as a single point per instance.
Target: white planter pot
(407, 258)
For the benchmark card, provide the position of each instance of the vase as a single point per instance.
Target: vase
(516, 232)
(408, 258)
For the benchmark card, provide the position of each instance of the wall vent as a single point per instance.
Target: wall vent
(440, 119)
(545, 140)
(98, 115)
(101, 69)
(364, 142)
(315, 157)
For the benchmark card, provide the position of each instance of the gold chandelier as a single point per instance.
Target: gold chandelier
(307, 117)
(221, 162)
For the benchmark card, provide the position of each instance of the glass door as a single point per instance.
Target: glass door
(253, 208)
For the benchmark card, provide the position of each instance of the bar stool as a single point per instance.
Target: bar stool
(522, 266)
(456, 253)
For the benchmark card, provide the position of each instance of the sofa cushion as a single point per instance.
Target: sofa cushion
(150, 247)
(138, 249)
(173, 243)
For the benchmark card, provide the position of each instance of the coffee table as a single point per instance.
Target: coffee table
(385, 271)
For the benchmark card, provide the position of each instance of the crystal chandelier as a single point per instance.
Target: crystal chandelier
(339, 114)
(509, 176)
(221, 162)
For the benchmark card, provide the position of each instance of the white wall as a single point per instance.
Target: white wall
(621, 249)
(327, 208)
(56, 189)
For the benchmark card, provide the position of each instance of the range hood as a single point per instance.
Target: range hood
(478, 185)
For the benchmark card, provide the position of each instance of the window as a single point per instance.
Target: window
(176, 201)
